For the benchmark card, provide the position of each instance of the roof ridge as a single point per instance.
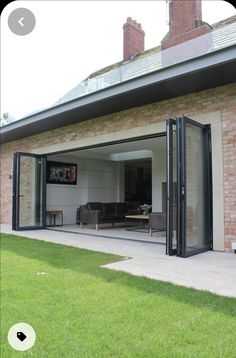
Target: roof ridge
(155, 49)
(224, 22)
(115, 70)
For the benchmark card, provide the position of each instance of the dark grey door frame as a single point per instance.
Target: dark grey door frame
(16, 191)
(182, 187)
(180, 248)
(171, 247)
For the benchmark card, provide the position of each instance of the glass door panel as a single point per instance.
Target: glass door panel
(28, 191)
(189, 187)
(195, 201)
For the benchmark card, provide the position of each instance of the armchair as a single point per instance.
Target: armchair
(158, 220)
(89, 216)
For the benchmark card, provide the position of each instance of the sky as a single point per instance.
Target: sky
(73, 39)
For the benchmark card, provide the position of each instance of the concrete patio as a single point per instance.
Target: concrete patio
(210, 271)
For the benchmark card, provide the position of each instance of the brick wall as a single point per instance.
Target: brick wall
(173, 41)
(185, 22)
(133, 39)
(183, 15)
(218, 99)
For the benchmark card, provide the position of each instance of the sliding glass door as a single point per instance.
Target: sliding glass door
(29, 190)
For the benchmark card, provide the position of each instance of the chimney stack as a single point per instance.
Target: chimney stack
(133, 42)
(185, 22)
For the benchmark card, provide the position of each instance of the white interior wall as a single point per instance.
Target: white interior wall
(96, 181)
(101, 178)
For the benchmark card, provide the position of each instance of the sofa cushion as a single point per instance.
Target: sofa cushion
(108, 208)
(121, 208)
(108, 216)
(133, 207)
(94, 206)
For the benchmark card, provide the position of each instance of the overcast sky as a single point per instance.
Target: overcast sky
(72, 39)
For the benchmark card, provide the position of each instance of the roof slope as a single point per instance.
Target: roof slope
(199, 64)
(223, 35)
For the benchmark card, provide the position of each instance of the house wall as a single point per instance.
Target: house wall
(144, 120)
(96, 181)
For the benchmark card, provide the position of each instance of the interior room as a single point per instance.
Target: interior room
(130, 172)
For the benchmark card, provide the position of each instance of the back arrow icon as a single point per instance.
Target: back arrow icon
(20, 21)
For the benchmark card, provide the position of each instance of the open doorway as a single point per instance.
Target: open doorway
(138, 181)
(129, 173)
(180, 157)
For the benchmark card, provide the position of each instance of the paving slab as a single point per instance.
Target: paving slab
(211, 271)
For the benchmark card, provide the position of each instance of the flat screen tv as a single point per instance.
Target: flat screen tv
(61, 173)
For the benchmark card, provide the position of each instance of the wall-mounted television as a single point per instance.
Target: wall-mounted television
(61, 173)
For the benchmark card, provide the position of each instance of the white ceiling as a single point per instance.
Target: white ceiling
(120, 152)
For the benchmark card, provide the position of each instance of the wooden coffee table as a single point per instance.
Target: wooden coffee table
(142, 219)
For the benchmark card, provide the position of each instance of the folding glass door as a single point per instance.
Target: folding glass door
(189, 210)
(29, 190)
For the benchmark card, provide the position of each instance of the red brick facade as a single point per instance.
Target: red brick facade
(219, 99)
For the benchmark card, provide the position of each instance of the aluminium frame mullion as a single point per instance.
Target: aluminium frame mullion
(44, 189)
(16, 191)
(208, 185)
(181, 190)
(169, 174)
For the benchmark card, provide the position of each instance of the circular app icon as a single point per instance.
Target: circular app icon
(21, 21)
(21, 336)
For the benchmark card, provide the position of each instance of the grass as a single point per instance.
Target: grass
(79, 309)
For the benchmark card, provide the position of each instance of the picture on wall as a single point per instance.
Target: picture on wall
(61, 173)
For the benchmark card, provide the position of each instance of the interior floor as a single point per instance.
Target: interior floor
(116, 232)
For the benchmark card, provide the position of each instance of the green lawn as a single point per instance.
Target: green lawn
(79, 309)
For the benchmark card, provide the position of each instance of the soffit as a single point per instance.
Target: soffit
(208, 71)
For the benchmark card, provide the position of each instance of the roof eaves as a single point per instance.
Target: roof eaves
(86, 107)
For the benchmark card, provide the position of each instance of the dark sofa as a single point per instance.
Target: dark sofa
(101, 213)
